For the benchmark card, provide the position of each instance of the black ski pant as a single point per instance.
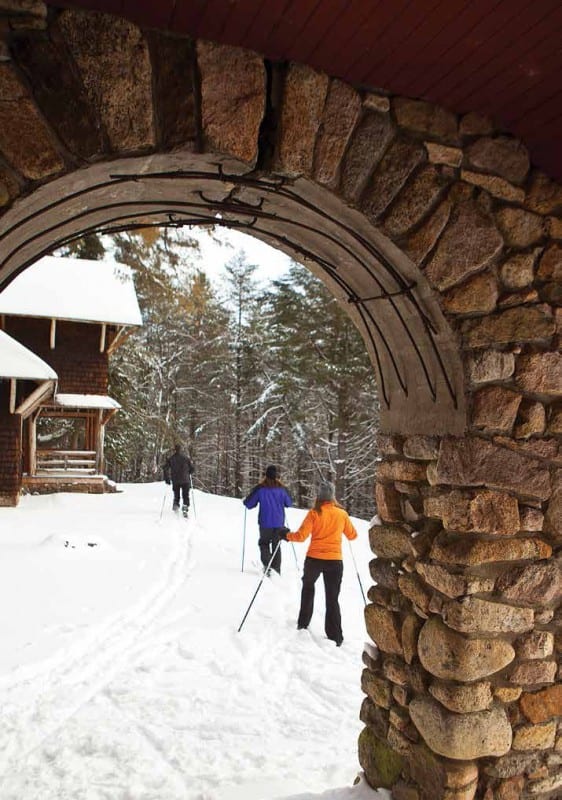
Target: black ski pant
(332, 572)
(268, 541)
(184, 489)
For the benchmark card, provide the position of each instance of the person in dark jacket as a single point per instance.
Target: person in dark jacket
(273, 498)
(177, 471)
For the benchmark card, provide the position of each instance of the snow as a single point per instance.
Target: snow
(74, 289)
(16, 361)
(123, 677)
(86, 401)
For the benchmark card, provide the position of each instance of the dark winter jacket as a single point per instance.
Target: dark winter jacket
(273, 500)
(179, 468)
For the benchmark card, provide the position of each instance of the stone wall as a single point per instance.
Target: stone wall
(465, 614)
(463, 681)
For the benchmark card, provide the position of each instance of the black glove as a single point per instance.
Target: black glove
(168, 481)
(283, 533)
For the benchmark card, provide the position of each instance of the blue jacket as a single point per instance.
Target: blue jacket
(273, 500)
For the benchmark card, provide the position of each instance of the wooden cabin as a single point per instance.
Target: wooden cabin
(71, 314)
(25, 382)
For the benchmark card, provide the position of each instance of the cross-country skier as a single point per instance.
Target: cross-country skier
(326, 523)
(177, 471)
(273, 499)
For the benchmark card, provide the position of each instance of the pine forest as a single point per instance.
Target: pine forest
(242, 373)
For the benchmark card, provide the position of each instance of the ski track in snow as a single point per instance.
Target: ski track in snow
(163, 700)
(61, 690)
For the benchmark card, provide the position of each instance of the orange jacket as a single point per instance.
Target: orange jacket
(326, 530)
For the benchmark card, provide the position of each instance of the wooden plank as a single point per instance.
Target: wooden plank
(322, 19)
(535, 114)
(332, 53)
(526, 73)
(214, 19)
(53, 334)
(65, 463)
(105, 6)
(389, 39)
(102, 337)
(13, 387)
(472, 49)
(501, 54)
(453, 43)
(291, 28)
(32, 444)
(389, 15)
(37, 396)
(186, 16)
(99, 442)
(109, 413)
(239, 21)
(539, 77)
(121, 336)
(62, 473)
(457, 62)
(266, 19)
(419, 44)
(48, 451)
(53, 412)
(420, 23)
(546, 114)
(546, 153)
(147, 13)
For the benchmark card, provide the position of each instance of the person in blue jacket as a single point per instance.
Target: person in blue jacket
(273, 499)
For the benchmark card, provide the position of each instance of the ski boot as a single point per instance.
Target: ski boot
(176, 507)
(185, 510)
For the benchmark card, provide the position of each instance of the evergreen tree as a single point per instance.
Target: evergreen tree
(325, 387)
(243, 378)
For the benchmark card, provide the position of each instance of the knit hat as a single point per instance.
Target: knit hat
(326, 491)
(271, 472)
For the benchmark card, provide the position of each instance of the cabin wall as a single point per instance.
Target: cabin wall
(76, 358)
(10, 450)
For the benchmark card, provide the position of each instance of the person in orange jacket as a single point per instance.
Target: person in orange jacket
(325, 523)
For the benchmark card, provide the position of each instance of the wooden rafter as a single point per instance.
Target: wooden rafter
(121, 336)
(13, 386)
(27, 406)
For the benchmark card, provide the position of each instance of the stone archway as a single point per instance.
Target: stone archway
(443, 245)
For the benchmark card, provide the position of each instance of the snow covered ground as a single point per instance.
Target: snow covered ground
(123, 677)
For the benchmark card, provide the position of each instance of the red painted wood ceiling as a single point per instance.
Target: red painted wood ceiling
(502, 58)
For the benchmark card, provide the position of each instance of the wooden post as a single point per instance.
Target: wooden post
(53, 334)
(99, 442)
(32, 433)
(13, 383)
(102, 337)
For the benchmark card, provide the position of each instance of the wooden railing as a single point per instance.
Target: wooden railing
(81, 462)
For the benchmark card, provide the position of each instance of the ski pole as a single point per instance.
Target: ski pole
(192, 496)
(244, 537)
(295, 555)
(357, 571)
(163, 501)
(292, 545)
(259, 585)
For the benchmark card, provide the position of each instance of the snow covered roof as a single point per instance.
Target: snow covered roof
(74, 289)
(85, 401)
(16, 361)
